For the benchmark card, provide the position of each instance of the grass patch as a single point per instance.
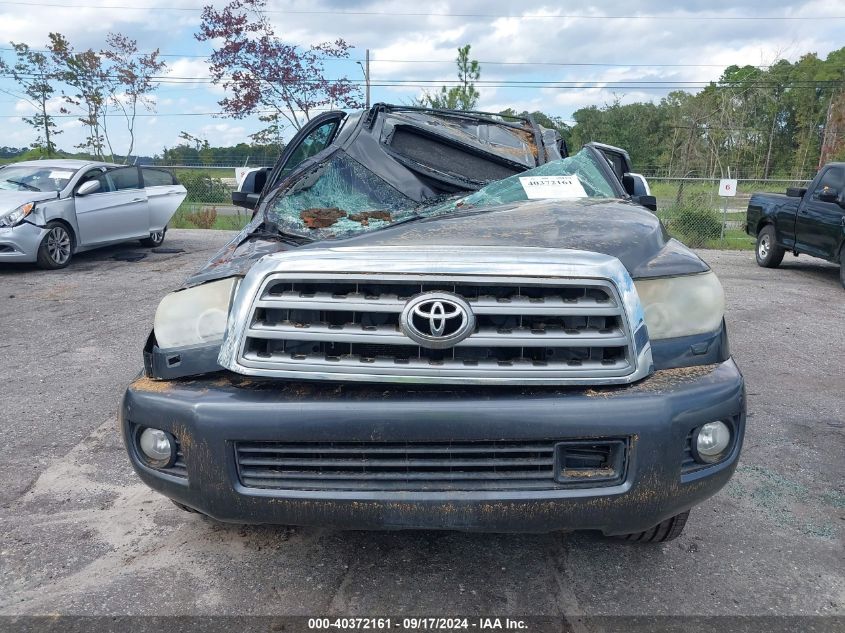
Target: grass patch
(190, 217)
(735, 240)
(668, 189)
(207, 172)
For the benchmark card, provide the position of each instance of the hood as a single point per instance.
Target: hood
(11, 200)
(618, 228)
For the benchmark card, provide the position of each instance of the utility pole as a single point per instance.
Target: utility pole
(365, 68)
(367, 76)
(831, 139)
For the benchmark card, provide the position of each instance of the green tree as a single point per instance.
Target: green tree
(637, 127)
(775, 121)
(35, 74)
(88, 80)
(464, 96)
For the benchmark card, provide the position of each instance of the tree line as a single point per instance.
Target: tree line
(194, 150)
(782, 121)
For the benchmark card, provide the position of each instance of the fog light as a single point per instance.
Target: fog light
(156, 447)
(711, 440)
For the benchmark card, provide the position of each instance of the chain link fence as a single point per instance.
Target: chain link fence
(690, 208)
(208, 204)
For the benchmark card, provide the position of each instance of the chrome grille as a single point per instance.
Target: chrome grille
(577, 328)
(569, 318)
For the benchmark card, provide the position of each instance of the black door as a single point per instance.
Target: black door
(818, 226)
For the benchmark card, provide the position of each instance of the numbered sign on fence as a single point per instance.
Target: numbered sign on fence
(727, 187)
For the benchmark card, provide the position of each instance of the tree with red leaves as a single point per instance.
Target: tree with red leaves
(265, 76)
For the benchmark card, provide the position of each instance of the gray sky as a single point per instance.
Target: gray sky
(667, 47)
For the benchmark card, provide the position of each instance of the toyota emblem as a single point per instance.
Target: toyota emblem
(437, 320)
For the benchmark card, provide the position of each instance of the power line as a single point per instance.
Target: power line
(139, 53)
(605, 64)
(516, 83)
(417, 86)
(157, 114)
(420, 14)
(451, 62)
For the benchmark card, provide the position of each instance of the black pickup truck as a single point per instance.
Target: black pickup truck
(807, 221)
(442, 320)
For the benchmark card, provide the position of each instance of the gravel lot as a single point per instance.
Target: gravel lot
(79, 533)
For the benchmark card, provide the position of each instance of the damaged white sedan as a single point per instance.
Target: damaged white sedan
(52, 209)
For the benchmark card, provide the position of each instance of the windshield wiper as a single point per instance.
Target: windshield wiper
(23, 184)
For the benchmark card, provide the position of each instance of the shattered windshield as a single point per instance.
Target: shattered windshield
(340, 197)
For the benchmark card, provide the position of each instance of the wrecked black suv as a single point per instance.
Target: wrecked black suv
(442, 320)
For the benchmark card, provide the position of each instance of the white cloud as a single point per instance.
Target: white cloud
(26, 108)
(221, 134)
(191, 73)
(86, 26)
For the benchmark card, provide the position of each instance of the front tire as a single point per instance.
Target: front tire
(663, 532)
(155, 238)
(56, 248)
(767, 252)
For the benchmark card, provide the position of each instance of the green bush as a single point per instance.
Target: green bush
(693, 221)
(697, 226)
(203, 188)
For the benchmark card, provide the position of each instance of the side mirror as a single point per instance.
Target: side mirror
(828, 195)
(87, 188)
(649, 202)
(796, 192)
(250, 189)
(635, 185)
(245, 200)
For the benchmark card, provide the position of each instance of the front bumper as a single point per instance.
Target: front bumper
(208, 416)
(20, 243)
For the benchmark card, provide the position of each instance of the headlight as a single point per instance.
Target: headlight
(10, 219)
(681, 306)
(194, 316)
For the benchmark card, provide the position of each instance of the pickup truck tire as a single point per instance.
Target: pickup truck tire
(662, 532)
(768, 253)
